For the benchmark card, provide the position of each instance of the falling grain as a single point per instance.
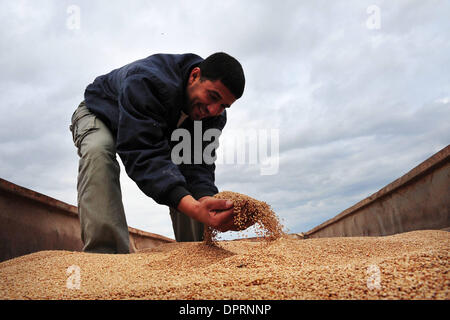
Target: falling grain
(248, 210)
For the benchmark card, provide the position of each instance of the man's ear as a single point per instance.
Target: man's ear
(195, 74)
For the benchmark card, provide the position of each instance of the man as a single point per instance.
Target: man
(132, 111)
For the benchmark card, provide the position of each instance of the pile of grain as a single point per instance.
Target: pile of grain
(247, 211)
(413, 265)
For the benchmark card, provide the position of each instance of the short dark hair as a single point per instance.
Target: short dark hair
(223, 67)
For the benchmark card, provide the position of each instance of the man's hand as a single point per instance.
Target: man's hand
(249, 223)
(213, 212)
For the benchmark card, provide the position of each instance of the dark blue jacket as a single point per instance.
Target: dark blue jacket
(141, 104)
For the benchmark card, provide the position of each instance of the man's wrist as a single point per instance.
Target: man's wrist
(175, 195)
(189, 206)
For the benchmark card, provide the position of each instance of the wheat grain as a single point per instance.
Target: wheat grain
(413, 265)
(248, 210)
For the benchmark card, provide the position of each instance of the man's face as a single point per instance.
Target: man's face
(206, 98)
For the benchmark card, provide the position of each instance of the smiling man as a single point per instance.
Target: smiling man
(132, 111)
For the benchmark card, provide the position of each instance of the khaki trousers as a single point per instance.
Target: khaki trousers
(102, 216)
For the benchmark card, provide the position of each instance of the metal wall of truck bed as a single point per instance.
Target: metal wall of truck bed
(418, 200)
(31, 222)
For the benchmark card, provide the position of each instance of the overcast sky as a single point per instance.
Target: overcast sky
(359, 91)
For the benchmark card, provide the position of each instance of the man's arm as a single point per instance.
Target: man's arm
(200, 177)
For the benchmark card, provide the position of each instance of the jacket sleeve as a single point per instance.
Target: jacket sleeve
(141, 143)
(201, 177)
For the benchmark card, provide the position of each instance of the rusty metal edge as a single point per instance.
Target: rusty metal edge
(36, 196)
(65, 207)
(435, 161)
